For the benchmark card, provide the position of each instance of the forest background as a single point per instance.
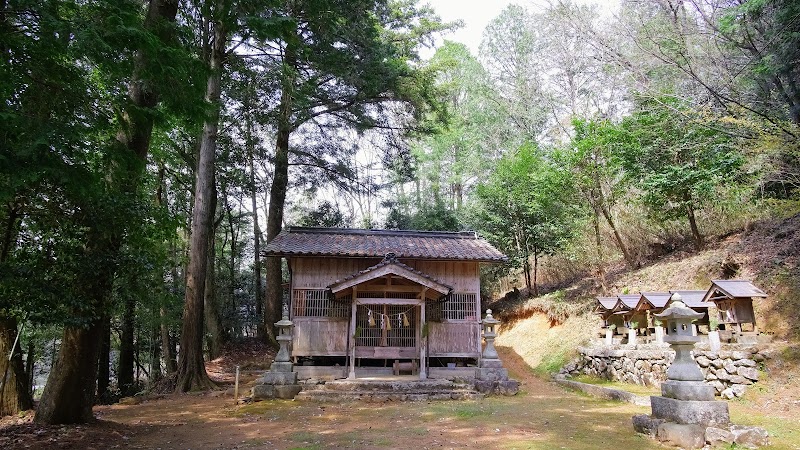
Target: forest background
(151, 148)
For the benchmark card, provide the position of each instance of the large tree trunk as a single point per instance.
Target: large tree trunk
(70, 391)
(15, 395)
(216, 334)
(125, 365)
(14, 391)
(155, 356)
(277, 193)
(535, 272)
(191, 368)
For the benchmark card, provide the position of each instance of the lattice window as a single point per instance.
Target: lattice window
(391, 331)
(317, 303)
(460, 307)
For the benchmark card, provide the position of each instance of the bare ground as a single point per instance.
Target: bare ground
(542, 416)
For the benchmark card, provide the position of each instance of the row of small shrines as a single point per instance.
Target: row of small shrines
(730, 303)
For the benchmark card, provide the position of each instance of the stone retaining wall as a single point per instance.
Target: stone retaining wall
(730, 370)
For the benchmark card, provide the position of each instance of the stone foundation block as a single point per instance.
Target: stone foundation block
(278, 378)
(689, 411)
(263, 392)
(682, 435)
(491, 374)
(688, 390)
(503, 387)
(281, 367)
(491, 363)
(287, 391)
(750, 437)
(717, 437)
(645, 424)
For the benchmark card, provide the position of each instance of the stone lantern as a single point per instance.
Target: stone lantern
(685, 397)
(684, 378)
(284, 336)
(280, 381)
(490, 375)
(489, 333)
(686, 413)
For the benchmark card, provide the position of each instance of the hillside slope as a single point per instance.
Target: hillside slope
(545, 331)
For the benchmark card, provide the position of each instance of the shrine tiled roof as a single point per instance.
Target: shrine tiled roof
(692, 299)
(657, 299)
(728, 289)
(607, 303)
(359, 243)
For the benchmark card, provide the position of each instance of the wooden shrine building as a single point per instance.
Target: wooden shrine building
(377, 297)
(734, 302)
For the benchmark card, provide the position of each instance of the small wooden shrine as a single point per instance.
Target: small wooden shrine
(734, 302)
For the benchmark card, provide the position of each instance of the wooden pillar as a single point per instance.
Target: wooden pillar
(352, 349)
(423, 343)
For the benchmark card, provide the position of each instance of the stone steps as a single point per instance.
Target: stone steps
(388, 390)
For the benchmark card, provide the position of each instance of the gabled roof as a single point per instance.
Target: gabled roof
(692, 299)
(390, 266)
(626, 302)
(655, 299)
(729, 289)
(606, 303)
(358, 243)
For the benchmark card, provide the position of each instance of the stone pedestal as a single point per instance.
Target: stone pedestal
(688, 412)
(490, 376)
(659, 335)
(609, 337)
(713, 341)
(631, 336)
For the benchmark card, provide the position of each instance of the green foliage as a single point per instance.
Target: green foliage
(526, 207)
(679, 159)
(428, 217)
(325, 215)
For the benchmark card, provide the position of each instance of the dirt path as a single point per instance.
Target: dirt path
(542, 416)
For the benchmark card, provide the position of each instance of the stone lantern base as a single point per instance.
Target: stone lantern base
(279, 382)
(492, 378)
(690, 411)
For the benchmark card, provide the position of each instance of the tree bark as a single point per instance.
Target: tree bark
(15, 394)
(260, 332)
(211, 310)
(535, 272)
(191, 368)
(104, 363)
(125, 364)
(70, 390)
(629, 259)
(696, 236)
(155, 356)
(277, 193)
(170, 361)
